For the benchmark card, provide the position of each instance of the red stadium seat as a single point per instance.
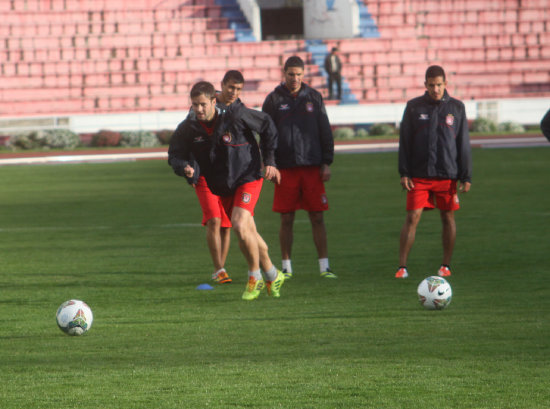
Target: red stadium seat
(129, 55)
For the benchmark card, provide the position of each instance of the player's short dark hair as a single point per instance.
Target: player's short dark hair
(435, 71)
(233, 75)
(203, 88)
(294, 61)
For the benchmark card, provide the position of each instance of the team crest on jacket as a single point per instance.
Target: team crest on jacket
(284, 107)
(226, 138)
(245, 198)
(199, 138)
(450, 120)
(309, 107)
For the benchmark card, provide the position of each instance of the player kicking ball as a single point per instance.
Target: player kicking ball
(224, 146)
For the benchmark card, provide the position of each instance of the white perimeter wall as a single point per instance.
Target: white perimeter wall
(523, 111)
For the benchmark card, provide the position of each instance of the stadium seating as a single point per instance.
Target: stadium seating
(490, 49)
(104, 56)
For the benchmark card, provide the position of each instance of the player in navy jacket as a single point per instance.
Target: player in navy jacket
(434, 153)
(304, 153)
(225, 148)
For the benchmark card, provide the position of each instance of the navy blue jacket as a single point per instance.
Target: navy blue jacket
(434, 141)
(305, 136)
(230, 157)
(545, 125)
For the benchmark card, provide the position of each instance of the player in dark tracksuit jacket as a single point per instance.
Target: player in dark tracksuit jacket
(225, 148)
(434, 153)
(305, 136)
(434, 140)
(304, 153)
(545, 125)
(230, 156)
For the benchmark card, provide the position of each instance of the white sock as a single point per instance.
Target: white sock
(217, 272)
(287, 265)
(323, 264)
(271, 274)
(256, 274)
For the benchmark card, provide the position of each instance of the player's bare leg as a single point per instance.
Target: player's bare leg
(320, 239)
(245, 229)
(408, 234)
(225, 233)
(319, 233)
(215, 243)
(255, 251)
(218, 239)
(286, 234)
(265, 260)
(286, 238)
(448, 235)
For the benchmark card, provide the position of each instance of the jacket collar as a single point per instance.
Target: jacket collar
(432, 101)
(282, 89)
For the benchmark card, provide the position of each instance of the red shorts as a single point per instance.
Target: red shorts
(431, 193)
(211, 204)
(300, 188)
(246, 196)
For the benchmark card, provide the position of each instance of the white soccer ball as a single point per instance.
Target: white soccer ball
(74, 317)
(434, 293)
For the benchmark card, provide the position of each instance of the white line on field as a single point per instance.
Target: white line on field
(91, 228)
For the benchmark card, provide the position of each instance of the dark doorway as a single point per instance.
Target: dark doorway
(282, 23)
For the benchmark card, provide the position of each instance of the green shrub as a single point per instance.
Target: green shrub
(21, 141)
(343, 133)
(45, 139)
(512, 127)
(382, 130)
(361, 133)
(106, 138)
(60, 139)
(484, 125)
(143, 139)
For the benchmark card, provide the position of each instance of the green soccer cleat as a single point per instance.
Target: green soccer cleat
(273, 287)
(328, 274)
(253, 289)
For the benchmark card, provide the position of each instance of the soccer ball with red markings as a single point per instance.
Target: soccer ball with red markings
(434, 293)
(74, 317)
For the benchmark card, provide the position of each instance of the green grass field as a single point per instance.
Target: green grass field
(125, 237)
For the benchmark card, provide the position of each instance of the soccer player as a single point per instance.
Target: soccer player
(545, 125)
(225, 148)
(218, 225)
(304, 153)
(434, 153)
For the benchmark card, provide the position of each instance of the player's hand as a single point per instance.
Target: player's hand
(407, 183)
(325, 172)
(464, 187)
(273, 174)
(188, 171)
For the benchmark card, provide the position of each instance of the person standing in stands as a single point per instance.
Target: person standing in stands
(434, 153)
(214, 217)
(224, 146)
(304, 154)
(333, 67)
